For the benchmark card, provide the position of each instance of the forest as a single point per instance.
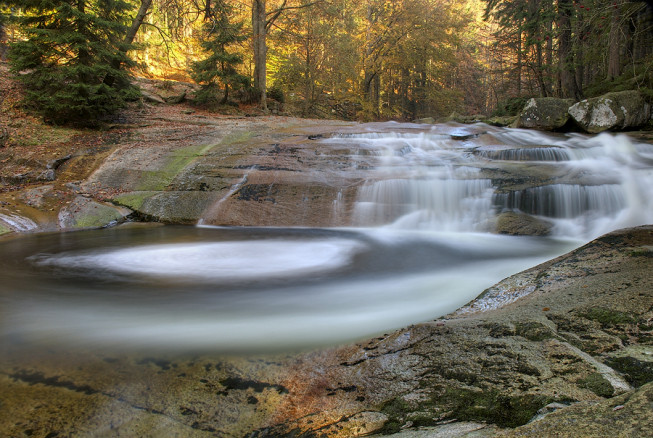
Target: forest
(345, 59)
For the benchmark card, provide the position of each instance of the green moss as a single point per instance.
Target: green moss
(396, 410)
(96, 220)
(533, 331)
(493, 407)
(4, 230)
(641, 252)
(158, 180)
(133, 200)
(608, 317)
(637, 372)
(596, 383)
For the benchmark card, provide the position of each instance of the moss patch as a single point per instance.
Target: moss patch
(158, 180)
(608, 317)
(637, 372)
(596, 383)
(533, 331)
(4, 230)
(491, 406)
(396, 410)
(133, 200)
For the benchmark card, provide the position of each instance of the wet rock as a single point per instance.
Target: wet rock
(86, 213)
(546, 113)
(520, 224)
(612, 111)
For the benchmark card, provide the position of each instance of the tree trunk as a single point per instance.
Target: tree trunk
(259, 34)
(569, 87)
(614, 56)
(549, 58)
(519, 62)
(3, 42)
(129, 37)
(136, 23)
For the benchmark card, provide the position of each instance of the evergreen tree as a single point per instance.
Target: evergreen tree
(69, 49)
(219, 67)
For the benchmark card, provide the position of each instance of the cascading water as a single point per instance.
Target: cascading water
(419, 244)
(583, 186)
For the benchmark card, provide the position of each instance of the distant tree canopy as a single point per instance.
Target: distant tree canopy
(369, 59)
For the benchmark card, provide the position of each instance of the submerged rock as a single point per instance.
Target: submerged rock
(546, 113)
(520, 224)
(612, 111)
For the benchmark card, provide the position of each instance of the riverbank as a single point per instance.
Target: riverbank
(579, 344)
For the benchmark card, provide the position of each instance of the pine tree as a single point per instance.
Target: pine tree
(219, 67)
(70, 47)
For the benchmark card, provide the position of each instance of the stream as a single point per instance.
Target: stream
(419, 244)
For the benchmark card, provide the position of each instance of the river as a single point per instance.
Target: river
(418, 244)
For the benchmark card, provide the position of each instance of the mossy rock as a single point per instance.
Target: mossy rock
(86, 213)
(546, 113)
(533, 331)
(596, 383)
(612, 111)
(492, 406)
(4, 230)
(608, 317)
(637, 372)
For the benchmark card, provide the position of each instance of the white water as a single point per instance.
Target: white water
(18, 223)
(432, 181)
(419, 247)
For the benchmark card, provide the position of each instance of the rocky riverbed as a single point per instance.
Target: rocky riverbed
(563, 348)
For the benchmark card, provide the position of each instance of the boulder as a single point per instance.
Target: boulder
(545, 113)
(613, 111)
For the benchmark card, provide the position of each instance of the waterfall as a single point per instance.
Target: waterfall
(446, 181)
(442, 204)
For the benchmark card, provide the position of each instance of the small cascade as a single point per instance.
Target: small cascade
(216, 207)
(430, 180)
(565, 200)
(540, 153)
(441, 204)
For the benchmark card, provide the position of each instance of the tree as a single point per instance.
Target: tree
(71, 46)
(4, 12)
(260, 48)
(569, 86)
(219, 67)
